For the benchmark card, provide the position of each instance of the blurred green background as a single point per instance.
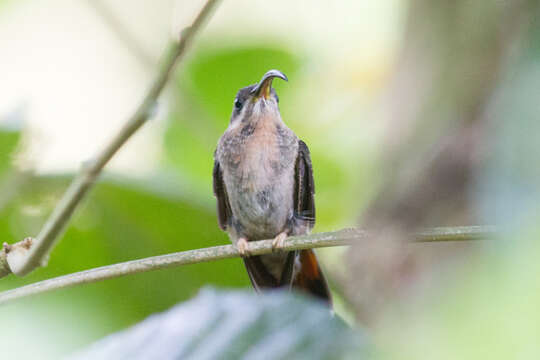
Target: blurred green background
(374, 90)
(149, 201)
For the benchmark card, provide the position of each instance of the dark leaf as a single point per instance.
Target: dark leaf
(234, 325)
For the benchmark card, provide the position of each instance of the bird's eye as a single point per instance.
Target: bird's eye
(237, 104)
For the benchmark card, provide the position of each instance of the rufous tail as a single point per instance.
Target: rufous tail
(310, 277)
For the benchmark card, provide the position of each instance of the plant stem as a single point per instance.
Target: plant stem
(327, 239)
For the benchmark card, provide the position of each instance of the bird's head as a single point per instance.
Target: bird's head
(257, 100)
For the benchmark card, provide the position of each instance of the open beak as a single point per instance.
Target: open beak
(264, 86)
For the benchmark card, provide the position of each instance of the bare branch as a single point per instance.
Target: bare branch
(336, 238)
(37, 255)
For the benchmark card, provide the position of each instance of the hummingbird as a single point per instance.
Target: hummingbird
(263, 183)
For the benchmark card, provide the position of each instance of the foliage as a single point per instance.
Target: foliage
(233, 325)
(119, 223)
(478, 305)
(8, 142)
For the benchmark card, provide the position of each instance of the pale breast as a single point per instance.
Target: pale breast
(258, 167)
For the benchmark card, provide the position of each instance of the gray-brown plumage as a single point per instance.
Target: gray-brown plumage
(263, 183)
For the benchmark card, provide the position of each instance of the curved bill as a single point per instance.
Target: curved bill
(263, 87)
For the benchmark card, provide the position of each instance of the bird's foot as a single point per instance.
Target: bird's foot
(279, 241)
(242, 247)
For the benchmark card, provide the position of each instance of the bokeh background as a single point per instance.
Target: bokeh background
(417, 113)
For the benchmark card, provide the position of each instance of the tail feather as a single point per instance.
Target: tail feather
(261, 277)
(310, 277)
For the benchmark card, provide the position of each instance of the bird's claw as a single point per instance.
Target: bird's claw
(279, 241)
(242, 247)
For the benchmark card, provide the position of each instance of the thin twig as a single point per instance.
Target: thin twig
(37, 255)
(336, 238)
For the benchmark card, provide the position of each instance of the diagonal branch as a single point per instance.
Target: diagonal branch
(336, 238)
(24, 261)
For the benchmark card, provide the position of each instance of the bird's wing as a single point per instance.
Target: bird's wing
(310, 277)
(304, 188)
(223, 207)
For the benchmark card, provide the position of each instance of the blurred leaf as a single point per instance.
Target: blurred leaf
(208, 87)
(233, 325)
(119, 222)
(217, 74)
(8, 142)
(333, 199)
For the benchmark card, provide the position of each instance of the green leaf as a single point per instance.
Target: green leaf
(214, 75)
(120, 221)
(234, 325)
(8, 142)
